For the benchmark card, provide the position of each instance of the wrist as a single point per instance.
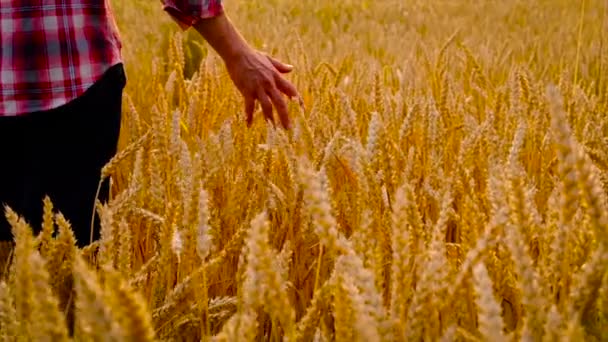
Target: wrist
(234, 52)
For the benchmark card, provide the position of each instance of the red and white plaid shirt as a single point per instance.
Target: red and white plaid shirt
(52, 51)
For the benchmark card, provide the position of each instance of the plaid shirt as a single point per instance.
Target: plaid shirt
(52, 51)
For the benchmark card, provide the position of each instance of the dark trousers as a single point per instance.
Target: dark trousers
(60, 153)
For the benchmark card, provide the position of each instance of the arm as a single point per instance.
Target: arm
(257, 76)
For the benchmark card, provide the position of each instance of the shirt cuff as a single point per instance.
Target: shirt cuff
(186, 13)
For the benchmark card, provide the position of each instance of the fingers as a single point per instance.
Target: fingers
(281, 106)
(286, 87)
(268, 98)
(268, 88)
(266, 104)
(281, 67)
(249, 108)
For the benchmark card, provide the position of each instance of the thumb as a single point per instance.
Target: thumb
(281, 67)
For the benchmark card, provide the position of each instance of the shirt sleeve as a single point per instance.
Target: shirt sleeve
(188, 12)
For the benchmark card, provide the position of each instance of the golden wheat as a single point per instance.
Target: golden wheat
(446, 180)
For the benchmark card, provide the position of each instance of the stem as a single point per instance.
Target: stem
(599, 87)
(578, 43)
(205, 304)
(319, 262)
(93, 214)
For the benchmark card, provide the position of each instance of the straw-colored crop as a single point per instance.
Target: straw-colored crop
(447, 179)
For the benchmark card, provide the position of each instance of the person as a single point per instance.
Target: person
(61, 84)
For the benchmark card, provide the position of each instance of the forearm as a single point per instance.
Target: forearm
(223, 37)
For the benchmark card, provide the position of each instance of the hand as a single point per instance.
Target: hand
(256, 75)
(258, 78)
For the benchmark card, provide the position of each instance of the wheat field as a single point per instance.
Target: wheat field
(446, 180)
